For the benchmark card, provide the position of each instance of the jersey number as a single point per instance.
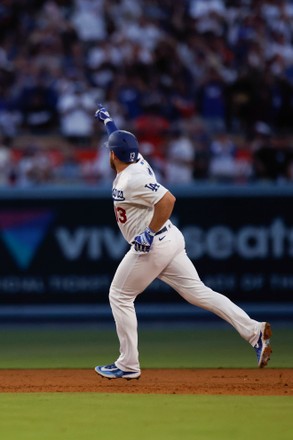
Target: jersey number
(120, 214)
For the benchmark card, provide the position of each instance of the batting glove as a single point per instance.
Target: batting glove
(102, 114)
(143, 241)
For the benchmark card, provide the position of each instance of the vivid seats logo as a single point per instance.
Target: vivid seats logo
(22, 231)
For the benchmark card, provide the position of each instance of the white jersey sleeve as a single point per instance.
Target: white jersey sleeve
(135, 193)
(145, 190)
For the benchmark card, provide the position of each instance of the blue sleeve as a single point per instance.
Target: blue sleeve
(110, 126)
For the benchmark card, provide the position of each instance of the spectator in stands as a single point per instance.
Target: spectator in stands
(182, 101)
(129, 90)
(34, 168)
(88, 20)
(6, 166)
(272, 156)
(212, 100)
(180, 158)
(222, 158)
(38, 103)
(76, 106)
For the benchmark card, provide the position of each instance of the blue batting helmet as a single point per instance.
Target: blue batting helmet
(124, 144)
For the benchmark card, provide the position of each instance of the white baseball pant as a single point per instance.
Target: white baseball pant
(168, 261)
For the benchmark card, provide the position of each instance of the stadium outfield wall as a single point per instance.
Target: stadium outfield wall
(61, 246)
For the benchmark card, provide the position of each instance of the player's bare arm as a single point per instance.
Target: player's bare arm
(162, 211)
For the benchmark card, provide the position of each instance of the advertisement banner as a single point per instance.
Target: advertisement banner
(66, 249)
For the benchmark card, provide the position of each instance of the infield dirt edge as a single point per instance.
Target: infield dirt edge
(153, 381)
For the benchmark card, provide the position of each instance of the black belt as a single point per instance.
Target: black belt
(161, 231)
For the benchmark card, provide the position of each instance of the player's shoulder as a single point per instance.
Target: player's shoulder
(143, 168)
(137, 174)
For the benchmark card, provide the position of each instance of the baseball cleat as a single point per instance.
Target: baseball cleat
(113, 372)
(262, 348)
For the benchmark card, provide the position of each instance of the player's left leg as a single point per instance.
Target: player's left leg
(182, 276)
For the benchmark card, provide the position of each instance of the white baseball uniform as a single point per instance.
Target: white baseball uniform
(135, 192)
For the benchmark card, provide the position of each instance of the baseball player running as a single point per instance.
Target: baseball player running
(157, 250)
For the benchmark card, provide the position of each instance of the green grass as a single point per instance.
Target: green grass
(159, 348)
(167, 417)
(87, 416)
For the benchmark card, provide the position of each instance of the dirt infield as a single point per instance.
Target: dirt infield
(187, 381)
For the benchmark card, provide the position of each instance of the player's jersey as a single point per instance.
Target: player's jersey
(135, 192)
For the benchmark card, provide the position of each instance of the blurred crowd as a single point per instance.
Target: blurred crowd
(206, 85)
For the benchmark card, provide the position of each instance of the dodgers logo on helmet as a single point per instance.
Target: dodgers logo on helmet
(124, 144)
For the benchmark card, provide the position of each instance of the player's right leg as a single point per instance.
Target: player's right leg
(135, 272)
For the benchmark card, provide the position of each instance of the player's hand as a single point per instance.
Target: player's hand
(143, 241)
(102, 114)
